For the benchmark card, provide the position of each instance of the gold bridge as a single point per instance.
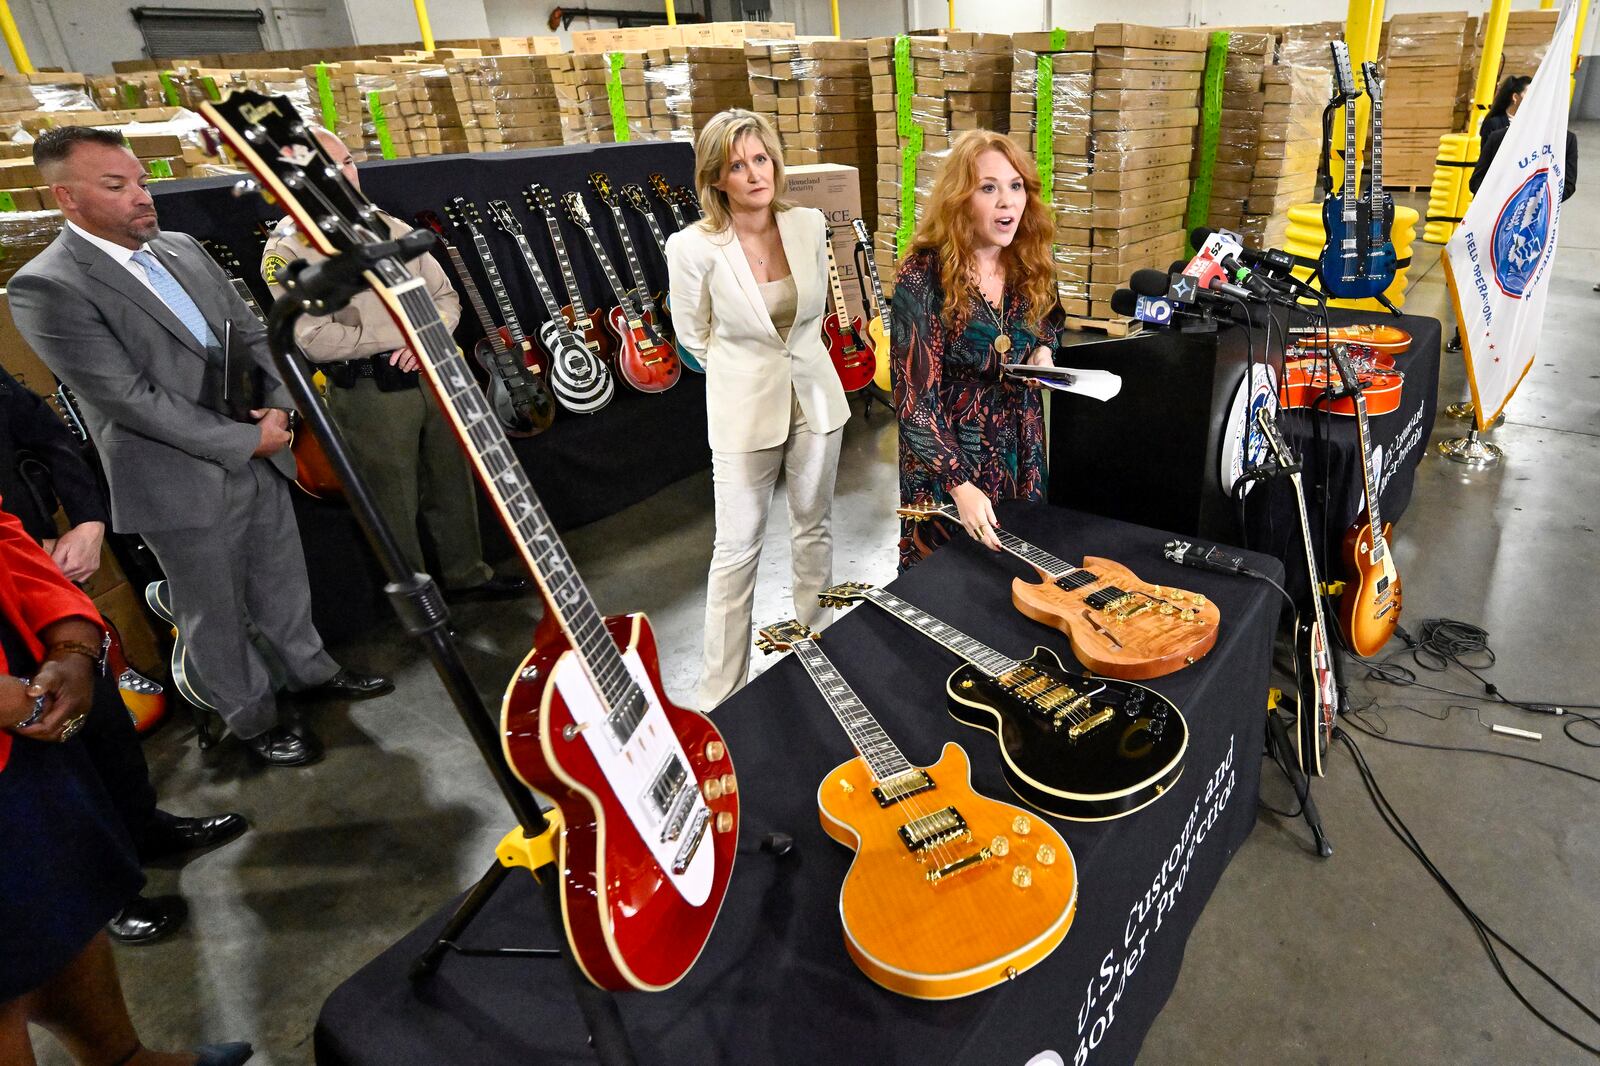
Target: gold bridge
(1105, 715)
(981, 855)
(1054, 698)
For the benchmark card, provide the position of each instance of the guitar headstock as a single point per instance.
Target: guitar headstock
(687, 198)
(659, 186)
(843, 595)
(269, 137)
(540, 199)
(463, 214)
(925, 514)
(1344, 83)
(224, 257)
(500, 211)
(863, 235)
(601, 184)
(1373, 82)
(1348, 380)
(635, 197)
(574, 206)
(1267, 423)
(429, 220)
(783, 636)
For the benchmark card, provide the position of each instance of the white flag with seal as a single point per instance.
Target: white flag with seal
(1498, 262)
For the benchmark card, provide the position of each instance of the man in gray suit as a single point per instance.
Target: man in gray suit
(142, 326)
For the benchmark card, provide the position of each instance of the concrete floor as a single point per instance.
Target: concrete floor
(1356, 959)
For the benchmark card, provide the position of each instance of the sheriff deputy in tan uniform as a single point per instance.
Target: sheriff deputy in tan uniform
(399, 436)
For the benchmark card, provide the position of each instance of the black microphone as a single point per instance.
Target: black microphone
(1151, 282)
(1124, 302)
(1273, 261)
(1204, 557)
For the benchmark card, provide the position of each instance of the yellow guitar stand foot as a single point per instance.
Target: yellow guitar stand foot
(517, 850)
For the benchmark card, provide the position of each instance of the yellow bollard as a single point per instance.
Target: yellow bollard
(1305, 237)
(19, 51)
(672, 14)
(834, 4)
(423, 24)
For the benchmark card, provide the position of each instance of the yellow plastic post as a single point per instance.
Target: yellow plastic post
(19, 51)
(951, 20)
(423, 25)
(835, 5)
(1494, 44)
(672, 17)
(1577, 45)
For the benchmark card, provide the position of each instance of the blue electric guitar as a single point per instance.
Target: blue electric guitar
(1353, 265)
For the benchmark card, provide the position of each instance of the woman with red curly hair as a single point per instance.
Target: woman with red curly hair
(977, 290)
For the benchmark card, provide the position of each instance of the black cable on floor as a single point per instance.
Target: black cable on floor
(1377, 735)
(1486, 934)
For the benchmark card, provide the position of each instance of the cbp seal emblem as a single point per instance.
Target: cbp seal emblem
(1522, 235)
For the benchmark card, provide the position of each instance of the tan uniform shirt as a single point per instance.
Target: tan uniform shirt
(363, 327)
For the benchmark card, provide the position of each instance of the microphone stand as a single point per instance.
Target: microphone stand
(322, 288)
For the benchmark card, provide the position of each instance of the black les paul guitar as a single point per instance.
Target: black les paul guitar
(1088, 749)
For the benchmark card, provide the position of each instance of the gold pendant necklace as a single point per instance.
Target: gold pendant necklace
(1002, 339)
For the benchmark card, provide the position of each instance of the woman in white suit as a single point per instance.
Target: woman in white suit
(749, 288)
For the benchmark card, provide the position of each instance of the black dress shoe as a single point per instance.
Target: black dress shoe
(233, 1054)
(349, 685)
(1453, 344)
(496, 588)
(145, 920)
(282, 746)
(171, 834)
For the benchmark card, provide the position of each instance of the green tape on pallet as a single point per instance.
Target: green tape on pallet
(1044, 133)
(910, 135)
(904, 82)
(1210, 125)
(130, 95)
(1058, 39)
(380, 123)
(209, 84)
(330, 114)
(7, 201)
(169, 89)
(160, 168)
(619, 106)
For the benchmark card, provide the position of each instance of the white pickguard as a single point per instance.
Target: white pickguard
(631, 770)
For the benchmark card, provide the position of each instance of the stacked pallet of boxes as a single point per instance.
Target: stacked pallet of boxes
(1061, 88)
(976, 72)
(1467, 76)
(819, 95)
(430, 113)
(1238, 131)
(506, 102)
(582, 84)
(718, 79)
(1143, 143)
(1422, 65)
(1528, 35)
(928, 114)
(1286, 160)
(349, 90)
(667, 87)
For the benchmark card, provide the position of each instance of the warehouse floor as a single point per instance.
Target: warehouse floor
(1354, 959)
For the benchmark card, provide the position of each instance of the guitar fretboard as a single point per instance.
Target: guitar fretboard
(865, 240)
(1375, 182)
(974, 651)
(490, 331)
(620, 290)
(873, 744)
(568, 277)
(640, 290)
(565, 592)
(1370, 477)
(539, 280)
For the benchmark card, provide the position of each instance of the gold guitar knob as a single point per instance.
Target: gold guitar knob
(724, 821)
(847, 786)
(1199, 600)
(1021, 825)
(1046, 855)
(729, 785)
(1022, 877)
(1167, 609)
(999, 847)
(1187, 615)
(715, 750)
(711, 787)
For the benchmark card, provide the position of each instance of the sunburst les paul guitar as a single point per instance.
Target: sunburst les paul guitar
(1119, 625)
(1089, 749)
(1369, 609)
(647, 796)
(950, 892)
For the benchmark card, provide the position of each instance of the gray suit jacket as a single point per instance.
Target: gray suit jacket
(139, 373)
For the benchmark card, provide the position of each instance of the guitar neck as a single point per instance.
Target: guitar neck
(568, 277)
(972, 650)
(537, 273)
(877, 291)
(630, 257)
(565, 593)
(474, 297)
(1375, 182)
(497, 285)
(1350, 161)
(1311, 557)
(871, 742)
(677, 213)
(1369, 475)
(839, 306)
(655, 229)
(608, 269)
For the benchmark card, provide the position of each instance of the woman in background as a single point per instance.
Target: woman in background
(748, 289)
(976, 291)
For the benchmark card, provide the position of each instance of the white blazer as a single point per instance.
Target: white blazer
(720, 317)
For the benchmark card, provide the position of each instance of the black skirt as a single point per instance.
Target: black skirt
(67, 865)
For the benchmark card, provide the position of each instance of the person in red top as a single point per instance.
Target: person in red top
(69, 864)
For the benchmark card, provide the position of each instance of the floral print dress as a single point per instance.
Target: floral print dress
(960, 419)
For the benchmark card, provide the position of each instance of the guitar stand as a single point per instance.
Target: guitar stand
(321, 288)
(1383, 298)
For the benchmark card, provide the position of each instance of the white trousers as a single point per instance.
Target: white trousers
(743, 483)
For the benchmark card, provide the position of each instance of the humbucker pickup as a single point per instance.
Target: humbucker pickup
(903, 787)
(934, 829)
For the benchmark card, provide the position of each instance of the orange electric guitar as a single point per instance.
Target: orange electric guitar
(143, 699)
(1306, 381)
(1370, 607)
(950, 892)
(1118, 625)
(1390, 340)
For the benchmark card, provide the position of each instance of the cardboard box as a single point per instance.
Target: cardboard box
(835, 190)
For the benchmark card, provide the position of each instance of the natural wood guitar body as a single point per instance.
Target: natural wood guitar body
(970, 929)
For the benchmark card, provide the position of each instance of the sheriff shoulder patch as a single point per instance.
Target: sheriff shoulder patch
(270, 267)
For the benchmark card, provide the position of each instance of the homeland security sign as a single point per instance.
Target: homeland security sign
(1498, 263)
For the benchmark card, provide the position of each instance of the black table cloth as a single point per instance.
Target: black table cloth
(775, 984)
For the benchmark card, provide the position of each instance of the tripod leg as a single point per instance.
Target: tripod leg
(428, 962)
(1278, 738)
(599, 1007)
(1385, 301)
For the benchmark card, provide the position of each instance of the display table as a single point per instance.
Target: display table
(585, 467)
(775, 984)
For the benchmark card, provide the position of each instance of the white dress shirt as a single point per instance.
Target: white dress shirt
(119, 253)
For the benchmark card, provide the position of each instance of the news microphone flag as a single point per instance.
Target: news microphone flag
(1497, 264)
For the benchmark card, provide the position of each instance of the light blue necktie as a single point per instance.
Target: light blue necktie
(173, 295)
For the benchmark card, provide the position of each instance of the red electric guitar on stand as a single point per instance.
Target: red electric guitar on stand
(853, 358)
(648, 803)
